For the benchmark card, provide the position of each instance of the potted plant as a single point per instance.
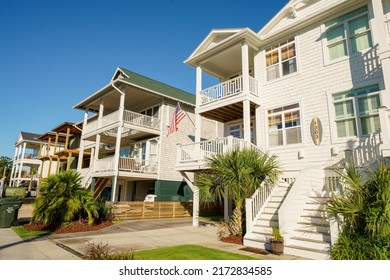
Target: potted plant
(276, 242)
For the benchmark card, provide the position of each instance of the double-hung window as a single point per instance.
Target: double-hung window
(356, 111)
(284, 125)
(348, 34)
(281, 60)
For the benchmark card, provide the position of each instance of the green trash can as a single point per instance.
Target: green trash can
(9, 209)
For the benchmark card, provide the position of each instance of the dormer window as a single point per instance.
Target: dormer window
(281, 60)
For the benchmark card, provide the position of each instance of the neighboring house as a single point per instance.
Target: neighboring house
(125, 131)
(312, 87)
(59, 150)
(26, 165)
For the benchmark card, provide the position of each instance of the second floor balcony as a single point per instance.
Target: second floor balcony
(132, 120)
(126, 164)
(228, 89)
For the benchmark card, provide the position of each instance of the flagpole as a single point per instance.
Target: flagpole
(187, 115)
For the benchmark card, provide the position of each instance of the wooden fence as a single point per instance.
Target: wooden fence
(157, 210)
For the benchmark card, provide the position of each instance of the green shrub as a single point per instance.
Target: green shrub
(102, 252)
(19, 192)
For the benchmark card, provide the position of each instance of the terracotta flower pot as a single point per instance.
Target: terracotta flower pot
(277, 247)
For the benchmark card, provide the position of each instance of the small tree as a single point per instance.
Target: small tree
(237, 173)
(63, 200)
(363, 209)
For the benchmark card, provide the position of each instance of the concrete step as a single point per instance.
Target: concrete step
(277, 198)
(315, 206)
(262, 229)
(315, 213)
(267, 222)
(269, 216)
(309, 243)
(314, 219)
(313, 235)
(272, 204)
(270, 210)
(316, 227)
(306, 253)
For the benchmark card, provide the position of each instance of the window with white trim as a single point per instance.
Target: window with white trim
(237, 131)
(348, 34)
(356, 111)
(152, 111)
(284, 125)
(281, 60)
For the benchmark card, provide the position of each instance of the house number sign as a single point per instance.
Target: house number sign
(316, 130)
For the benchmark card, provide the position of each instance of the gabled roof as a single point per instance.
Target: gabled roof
(297, 14)
(29, 136)
(220, 39)
(133, 78)
(215, 37)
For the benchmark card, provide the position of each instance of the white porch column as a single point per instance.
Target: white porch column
(195, 201)
(97, 148)
(82, 144)
(247, 120)
(257, 128)
(118, 146)
(245, 67)
(379, 32)
(101, 111)
(20, 166)
(24, 150)
(198, 118)
(385, 126)
(381, 36)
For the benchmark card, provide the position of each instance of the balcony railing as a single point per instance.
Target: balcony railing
(129, 117)
(126, 164)
(199, 152)
(141, 120)
(228, 89)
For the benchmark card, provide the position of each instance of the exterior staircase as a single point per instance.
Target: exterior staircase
(259, 235)
(312, 238)
(100, 184)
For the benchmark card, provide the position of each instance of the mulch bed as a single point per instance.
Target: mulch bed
(69, 228)
(235, 239)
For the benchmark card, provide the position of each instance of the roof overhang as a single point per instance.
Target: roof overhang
(219, 56)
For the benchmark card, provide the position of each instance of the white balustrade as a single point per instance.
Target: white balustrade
(136, 165)
(141, 120)
(105, 164)
(227, 89)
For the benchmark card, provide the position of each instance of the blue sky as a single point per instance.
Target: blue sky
(53, 54)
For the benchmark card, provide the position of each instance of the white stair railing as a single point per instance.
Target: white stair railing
(256, 203)
(87, 178)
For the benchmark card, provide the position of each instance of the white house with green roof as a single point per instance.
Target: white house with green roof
(312, 87)
(125, 130)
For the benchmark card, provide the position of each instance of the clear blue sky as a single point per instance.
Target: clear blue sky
(53, 54)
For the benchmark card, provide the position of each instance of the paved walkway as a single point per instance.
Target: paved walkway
(126, 236)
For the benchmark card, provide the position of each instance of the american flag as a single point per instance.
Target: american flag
(178, 115)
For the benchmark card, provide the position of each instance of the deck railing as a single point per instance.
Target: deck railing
(228, 89)
(141, 120)
(136, 165)
(200, 151)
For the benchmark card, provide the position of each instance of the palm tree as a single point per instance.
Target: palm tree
(237, 174)
(363, 212)
(62, 200)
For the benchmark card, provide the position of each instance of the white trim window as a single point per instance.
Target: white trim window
(356, 111)
(284, 125)
(281, 60)
(348, 34)
(237, 131)
(152, 111)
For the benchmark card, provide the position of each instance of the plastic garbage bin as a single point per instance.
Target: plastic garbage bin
(9, 209)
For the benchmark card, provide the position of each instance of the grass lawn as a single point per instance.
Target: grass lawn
(22, 232)
(189, 252)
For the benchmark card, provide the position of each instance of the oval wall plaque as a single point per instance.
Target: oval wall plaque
(316, 130)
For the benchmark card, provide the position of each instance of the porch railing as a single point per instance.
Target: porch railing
(367, 151)
(129, 117)
(136, 165)
(256, 202)
(200, 151)
(141, 120)
(228, 89)
(126, 164)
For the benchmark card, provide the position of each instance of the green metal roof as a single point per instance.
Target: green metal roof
(153, 85)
